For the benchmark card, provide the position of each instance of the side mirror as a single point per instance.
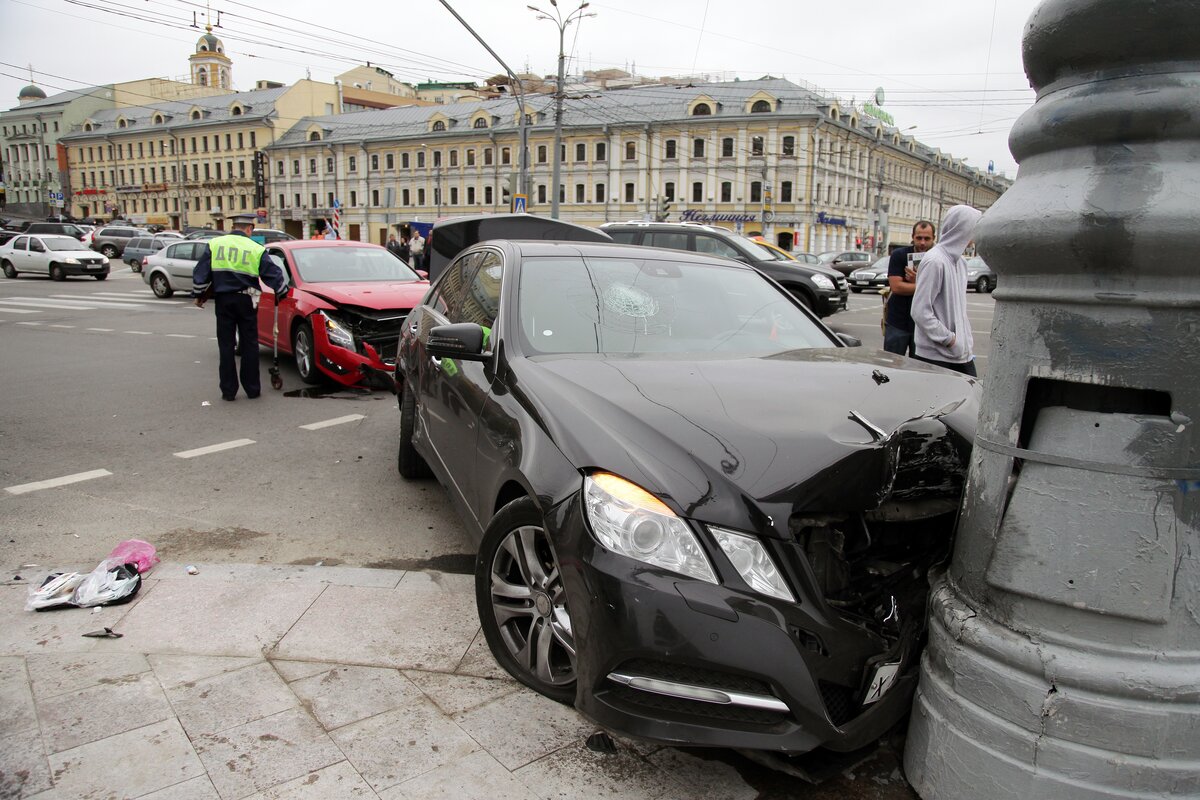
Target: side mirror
(462, 340)
(849, 340)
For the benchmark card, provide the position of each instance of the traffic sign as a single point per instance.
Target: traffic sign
(520, 203)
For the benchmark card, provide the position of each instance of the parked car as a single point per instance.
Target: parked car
(57, 229)
(701, 517)
(203, 233)
(807, 258)
(270, 235)
(112, 239)
(56, 256)
(344, 309)
(872, 277)
(169, 270)
(818, 287)
(980, 276)
(846, 261)
(139, 248)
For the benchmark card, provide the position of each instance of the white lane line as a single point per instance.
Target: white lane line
(43, 304)
(63, 481)
(139, 333)
(17, 310)
(214, 448)
(105, 303)
(315, 426)
(136, 300)
(62, 326)
(181, 336)
(29, 323)
(100, 330)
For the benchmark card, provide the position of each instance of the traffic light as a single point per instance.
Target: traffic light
(858, 241)
(664, 209)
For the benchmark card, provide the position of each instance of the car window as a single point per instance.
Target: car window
(36, 246)
(451, 284)
(58, 243)
(672, 240)
(481, 300)
(716, 247)
(622, 237)
(337, 263)
(579, 304)
(136, 243)
(280, 260)
(22, 243)
(176, 250)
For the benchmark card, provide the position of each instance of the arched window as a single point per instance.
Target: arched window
(760, 107)
(315, 136)
(481, 123)
(158, 119)
(87, 126)
(702, 110)
(121, 123)
(236, 111)
(202, 76)
(439, 126)
(203, 48)
(195, 115)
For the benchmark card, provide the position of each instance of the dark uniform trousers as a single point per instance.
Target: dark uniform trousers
(237, 329)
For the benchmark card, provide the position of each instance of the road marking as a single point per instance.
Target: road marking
(181, 336)
(214, 448)
(314, 426)
(139, 333)
(134, 299)
(44, 304)
(17, 310)
(29, 323)
(106, 303)
(62, 326)
(836, 325)
(63, 481)
(100, 330)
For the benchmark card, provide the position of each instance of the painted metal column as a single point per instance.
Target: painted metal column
(1064, 652)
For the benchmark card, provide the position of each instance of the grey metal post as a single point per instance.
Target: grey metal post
(1064, 649)
(556, 174)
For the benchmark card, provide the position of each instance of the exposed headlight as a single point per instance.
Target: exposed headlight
(337, 333)
(629, 520)
(822, 281)
(753, 563)
(70, 260)
(972, 273)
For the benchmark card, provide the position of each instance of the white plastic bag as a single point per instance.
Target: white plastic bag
(111, 582)
(56, 590)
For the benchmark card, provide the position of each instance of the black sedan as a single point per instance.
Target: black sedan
(702, 517)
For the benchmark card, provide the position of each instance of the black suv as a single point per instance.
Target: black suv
(822, 289)
(57, 229)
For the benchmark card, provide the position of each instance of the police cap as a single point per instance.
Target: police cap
(244, 219)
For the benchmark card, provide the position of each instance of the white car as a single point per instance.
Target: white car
(56, 256)
(170, 269)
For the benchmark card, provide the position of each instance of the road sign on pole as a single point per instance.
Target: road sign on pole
(519, 204)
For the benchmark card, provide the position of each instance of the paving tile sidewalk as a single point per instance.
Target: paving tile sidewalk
(260, 681)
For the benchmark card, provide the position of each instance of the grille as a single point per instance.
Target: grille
(677, 706)
(839, 702)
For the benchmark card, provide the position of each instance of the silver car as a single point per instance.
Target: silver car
(56, 256)
(170, 269)
(142, 246)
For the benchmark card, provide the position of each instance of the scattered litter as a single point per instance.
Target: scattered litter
(16, 577)
(116, 579)
(319, 564)
(206, 403)
(107, 633)
(111, 582)
(191, 570)
(27, 566)
(56, 590)
(135, 551)
(601, 742)
(96, 610)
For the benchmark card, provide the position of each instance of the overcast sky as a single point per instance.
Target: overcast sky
(952, 68)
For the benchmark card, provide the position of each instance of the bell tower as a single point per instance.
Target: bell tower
(209, 64)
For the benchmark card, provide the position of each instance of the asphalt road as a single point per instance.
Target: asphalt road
(102, 377)
(104, 381)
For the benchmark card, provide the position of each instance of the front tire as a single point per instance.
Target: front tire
(305, 354)
(9, 270)
(103, 277)
(408, 461)
(161, 286)
(522, 603)
(56, 273)
(981, 285)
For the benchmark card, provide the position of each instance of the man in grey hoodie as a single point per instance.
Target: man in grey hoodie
(942, 332)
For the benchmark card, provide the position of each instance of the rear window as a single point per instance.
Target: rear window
(624, 237)
(137, 244)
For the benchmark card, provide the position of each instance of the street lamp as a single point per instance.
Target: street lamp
(437, 184)
(562, 24)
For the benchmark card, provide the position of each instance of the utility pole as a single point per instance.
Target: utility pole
(876, 228)
(561, 23)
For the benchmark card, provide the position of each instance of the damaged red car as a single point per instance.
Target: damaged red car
(345, 304)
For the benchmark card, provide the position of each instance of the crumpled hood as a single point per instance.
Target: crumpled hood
(378, 295)
(746, 442)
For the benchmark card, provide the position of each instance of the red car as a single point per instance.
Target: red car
(345, 305)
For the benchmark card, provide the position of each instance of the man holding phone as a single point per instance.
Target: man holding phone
(902, 281)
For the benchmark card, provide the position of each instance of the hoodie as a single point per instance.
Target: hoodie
(939, 306)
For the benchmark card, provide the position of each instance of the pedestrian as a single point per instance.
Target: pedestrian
(318, 229)
(229, 268)
(405, 252)
(416, 248)
(942, 332)
(902, 282)
(393, 246)
(426, 251)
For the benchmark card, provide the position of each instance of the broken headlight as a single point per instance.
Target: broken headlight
(337, 333)
(629, 520)
(753, 563)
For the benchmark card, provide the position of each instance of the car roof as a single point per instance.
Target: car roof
(302, 244)
(528, 248)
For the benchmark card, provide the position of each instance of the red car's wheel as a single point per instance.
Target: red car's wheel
(306, 354)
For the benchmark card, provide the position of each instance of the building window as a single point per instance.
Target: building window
(353, 199)
(669, 191)
(601, 151)
(727, 147)
(404, 161)
(785, 192)
(600, 193)
(405, 197)
(312, 200)
(420, 159)
(329, 200)
(581, 152)
(454, 158)
(702, 110)
(439, 126)
(437, 158)
(726, 192)
(374, 162)
(420, 197)
(487, 194)
(244, 203)
(329, 164)
(760, 107)
(505, 155)
(282, 201)
(296, 166)
(630, 151)
(481, 123)
(487, 156)
(352, 165)
(756, 145)
(756, 193)
(295, 197)
(453, 195)
(252, 142)
(541, 193)
(207, 174)
(470, 158)
(670, 149)
(241, 141)
(579, 192)
(375, 197)
(279, 168)
(697, 148)
(789, 145)
(389, 161)
(541, 154)
(470, 195)
(629, 193)
(697, 192)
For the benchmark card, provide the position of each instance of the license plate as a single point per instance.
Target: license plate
(862, 283)
(881, 681)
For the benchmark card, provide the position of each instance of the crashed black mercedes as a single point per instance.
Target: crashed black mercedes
(703, 518)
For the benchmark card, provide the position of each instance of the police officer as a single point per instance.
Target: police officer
(229, 270)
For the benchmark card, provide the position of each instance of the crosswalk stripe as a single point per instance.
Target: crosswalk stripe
(42, 304)
(105, 303)
(124, 295)
(18, 311)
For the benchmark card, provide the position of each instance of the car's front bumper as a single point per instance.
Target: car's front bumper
(684, 662)
(85, 269)
(868, 283)
(350, 367)
(833, 301)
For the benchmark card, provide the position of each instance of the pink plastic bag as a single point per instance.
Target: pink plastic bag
(135, 551)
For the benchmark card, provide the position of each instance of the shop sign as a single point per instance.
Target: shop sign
(127, 189)
(699, 216)
(154, 187)
(829, 219)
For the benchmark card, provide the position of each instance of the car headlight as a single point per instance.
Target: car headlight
(753, 563)
(972, 273)
(337, 333)
(70, 260)
(629, 520)
(822, 281)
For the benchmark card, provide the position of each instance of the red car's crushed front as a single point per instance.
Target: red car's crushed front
(345, 307)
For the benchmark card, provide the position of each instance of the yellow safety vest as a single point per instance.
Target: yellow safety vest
(235, 254)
